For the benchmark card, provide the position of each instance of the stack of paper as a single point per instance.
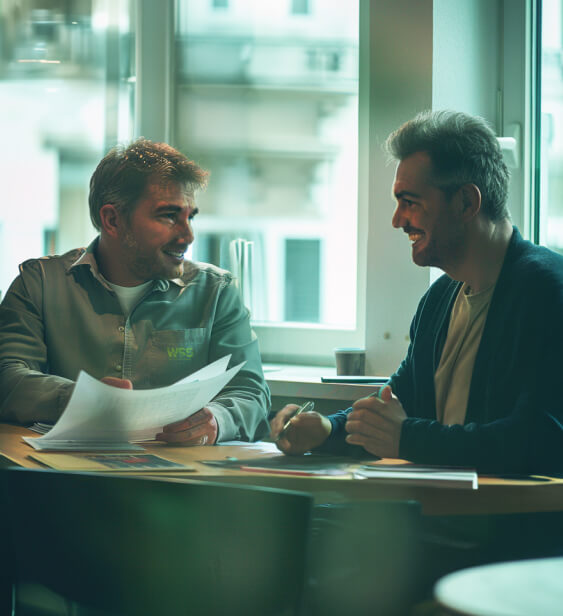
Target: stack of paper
(414, 474)
(41, 427)
(308, 465)
(99, 417)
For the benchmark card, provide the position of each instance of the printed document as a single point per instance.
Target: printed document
(102, 417)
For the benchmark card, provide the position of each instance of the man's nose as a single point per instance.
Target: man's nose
(398, 219)
(187, 233)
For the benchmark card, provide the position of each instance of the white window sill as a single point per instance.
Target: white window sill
(305, 382)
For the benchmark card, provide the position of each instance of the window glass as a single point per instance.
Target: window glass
(302, 280)
(551, 181)
(66, 96)
(300, 7)
(267, 101)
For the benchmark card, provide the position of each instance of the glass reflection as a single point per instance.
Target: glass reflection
(66, 95)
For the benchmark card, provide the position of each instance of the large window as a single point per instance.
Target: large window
(65, 98)
(267, 99)
(551, 133)
(287, 104)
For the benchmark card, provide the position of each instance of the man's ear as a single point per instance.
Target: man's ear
(471, 200)
(110, 219)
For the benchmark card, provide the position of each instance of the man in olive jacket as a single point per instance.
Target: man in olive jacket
(130, 310)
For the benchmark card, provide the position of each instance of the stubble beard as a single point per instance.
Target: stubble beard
(442, 255)
(147, 266)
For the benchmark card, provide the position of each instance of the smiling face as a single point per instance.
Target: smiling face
(154, 240)
(432, 222)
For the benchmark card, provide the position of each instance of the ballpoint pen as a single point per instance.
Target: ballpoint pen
(308, 406)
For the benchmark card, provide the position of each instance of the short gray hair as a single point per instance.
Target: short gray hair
(463, 150)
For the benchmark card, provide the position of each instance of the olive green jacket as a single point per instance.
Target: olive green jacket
(61, 316)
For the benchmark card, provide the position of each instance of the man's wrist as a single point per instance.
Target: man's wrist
(327, 425)
(218, 411)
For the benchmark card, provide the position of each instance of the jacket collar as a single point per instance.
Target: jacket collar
(87, 258)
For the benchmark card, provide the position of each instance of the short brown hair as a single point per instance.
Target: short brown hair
(123, 174)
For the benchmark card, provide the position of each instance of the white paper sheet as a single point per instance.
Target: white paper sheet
(100, 413)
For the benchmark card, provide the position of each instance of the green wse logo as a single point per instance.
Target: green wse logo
(180, 353)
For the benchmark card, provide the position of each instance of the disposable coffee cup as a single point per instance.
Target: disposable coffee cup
(350, 361)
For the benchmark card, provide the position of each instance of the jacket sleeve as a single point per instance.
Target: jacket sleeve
(27, 392)
(336, 443)
(529, 440)
(241, 409)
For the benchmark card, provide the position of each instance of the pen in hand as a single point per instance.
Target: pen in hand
(304, 408)
(377, 394)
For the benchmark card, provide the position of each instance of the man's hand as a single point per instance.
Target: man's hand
(115, 382)
(305, 432)
(198, 429)
(280, 419)
(376, 423)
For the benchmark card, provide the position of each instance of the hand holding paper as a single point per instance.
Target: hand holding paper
(100, 413)
(198, 429)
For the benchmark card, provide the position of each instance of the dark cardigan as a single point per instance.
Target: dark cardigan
(514, 419)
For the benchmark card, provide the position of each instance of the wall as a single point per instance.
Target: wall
(399, 61)
(465, 65)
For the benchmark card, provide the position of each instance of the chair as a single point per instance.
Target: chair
(131, 545)
(364, 559)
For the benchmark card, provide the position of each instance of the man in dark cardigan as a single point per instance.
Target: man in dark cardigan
(480, 384)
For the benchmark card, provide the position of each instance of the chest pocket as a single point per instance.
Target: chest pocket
(177, 353)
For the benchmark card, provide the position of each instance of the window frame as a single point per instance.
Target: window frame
(518, 111)
(541, 203)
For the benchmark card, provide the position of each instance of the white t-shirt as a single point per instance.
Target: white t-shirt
(129, 296)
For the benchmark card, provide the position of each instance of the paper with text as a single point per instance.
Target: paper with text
(106, 414)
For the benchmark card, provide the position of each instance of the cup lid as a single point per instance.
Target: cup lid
(349, 350)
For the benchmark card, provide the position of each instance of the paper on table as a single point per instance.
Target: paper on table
(102, 413)
(82, 445)
(109, 462)
(420, 475)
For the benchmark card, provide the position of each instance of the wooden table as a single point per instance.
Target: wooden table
(494, 496)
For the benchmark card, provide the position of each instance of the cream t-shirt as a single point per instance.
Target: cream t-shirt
(453, 376)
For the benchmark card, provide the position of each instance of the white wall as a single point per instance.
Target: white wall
(479, 66)
(400, 64)
(465, 65)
